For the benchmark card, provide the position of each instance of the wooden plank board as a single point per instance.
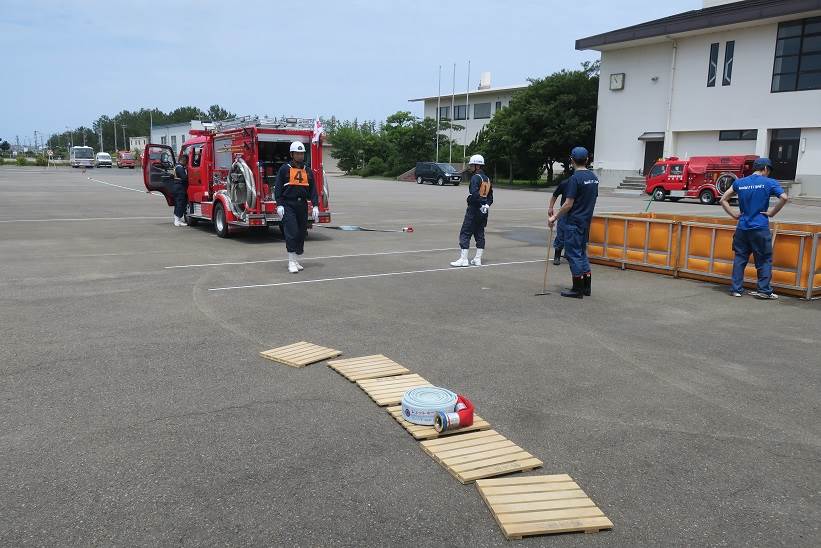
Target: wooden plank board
(389, 390)
(477, 455)
(367, 367)
(541, 505)
(421, 432)
(300, 354)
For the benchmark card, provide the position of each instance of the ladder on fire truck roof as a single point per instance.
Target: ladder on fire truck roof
(264, 122)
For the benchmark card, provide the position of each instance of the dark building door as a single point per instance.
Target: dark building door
(653, 150)
(784, 153)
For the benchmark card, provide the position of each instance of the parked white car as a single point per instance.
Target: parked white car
(103, 159)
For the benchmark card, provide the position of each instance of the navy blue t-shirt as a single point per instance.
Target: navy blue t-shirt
(583, 187)
(561, 190)
(754, 194)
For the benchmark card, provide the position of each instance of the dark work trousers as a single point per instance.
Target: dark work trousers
(180, 199)
(558, 241)
(473, 226)
(295, 225)
(575, 248)
(759, 242)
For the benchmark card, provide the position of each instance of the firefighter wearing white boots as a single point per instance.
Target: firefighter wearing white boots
(479, 200)
(293, 188)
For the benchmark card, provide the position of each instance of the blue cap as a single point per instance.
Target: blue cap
(761, 163)
(579, 153)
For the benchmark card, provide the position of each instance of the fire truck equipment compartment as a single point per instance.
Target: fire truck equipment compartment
(700, 248)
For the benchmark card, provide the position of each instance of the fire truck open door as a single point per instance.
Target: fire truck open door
(158, 170)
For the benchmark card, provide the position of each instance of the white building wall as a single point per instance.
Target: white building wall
(698, 112)
(706, 143)
(745, 104)
(808, 173)
(180, 132)
(472, 125)
(624, 115)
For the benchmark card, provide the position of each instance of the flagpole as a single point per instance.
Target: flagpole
(467, 117)
(438, 103)
(452, 105)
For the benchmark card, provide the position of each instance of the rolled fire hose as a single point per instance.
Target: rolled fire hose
(421, 405)
(461, 418)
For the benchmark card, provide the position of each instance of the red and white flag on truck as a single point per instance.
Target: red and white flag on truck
(318, 131)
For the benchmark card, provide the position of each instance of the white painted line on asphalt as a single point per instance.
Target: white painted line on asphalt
(79, 219)
(122, 187)
(406, 272)
(317, 258)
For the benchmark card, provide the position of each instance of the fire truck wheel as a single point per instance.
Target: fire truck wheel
(220, 223)
(419, 180)
(440, 181)
(706, 197)
(659, 194)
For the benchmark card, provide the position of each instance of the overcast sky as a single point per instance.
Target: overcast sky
(65, 63)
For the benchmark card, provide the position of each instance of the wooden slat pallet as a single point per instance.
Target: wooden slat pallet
(367, 367)
(477, 455)
(421, 432)
(389, 390)
(300, 354)
(541, 505)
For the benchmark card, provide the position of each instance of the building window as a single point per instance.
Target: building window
(729, 50)
(444, 113)
(498, 106)
(738, 135)
(162, 140)
(460, 112)
(797, 64)
(173, 141)
(481, 110)
(712, 68)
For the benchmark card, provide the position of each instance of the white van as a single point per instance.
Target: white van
(103, 159)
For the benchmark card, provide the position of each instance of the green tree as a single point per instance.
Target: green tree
(5, 146)
(216, 112)
(543, 122)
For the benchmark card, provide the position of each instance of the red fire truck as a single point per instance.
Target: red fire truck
(232, 168)
(704, 178)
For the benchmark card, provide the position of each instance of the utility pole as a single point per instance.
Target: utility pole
(101, 139)
(115, 136)
(125, 147)
(438, 108)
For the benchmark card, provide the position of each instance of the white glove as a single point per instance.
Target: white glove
(280, 211)
(315, 214)
(484, 209)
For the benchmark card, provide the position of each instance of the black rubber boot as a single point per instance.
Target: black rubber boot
(557, 256)
(586, 285)
(577, 292)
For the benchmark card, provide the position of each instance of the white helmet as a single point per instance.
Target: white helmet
(296, 146)
(477, 159)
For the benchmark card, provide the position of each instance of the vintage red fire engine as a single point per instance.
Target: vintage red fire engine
(704, 178)
(232, 168)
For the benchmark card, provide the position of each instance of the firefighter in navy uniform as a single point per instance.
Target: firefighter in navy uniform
(180, 190)
(479, 201)
(293, 188)
(558, 242)
(581, 193)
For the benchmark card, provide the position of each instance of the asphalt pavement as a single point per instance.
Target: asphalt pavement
(135, 408)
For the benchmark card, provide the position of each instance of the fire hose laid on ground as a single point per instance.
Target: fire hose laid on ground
(437, 407)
